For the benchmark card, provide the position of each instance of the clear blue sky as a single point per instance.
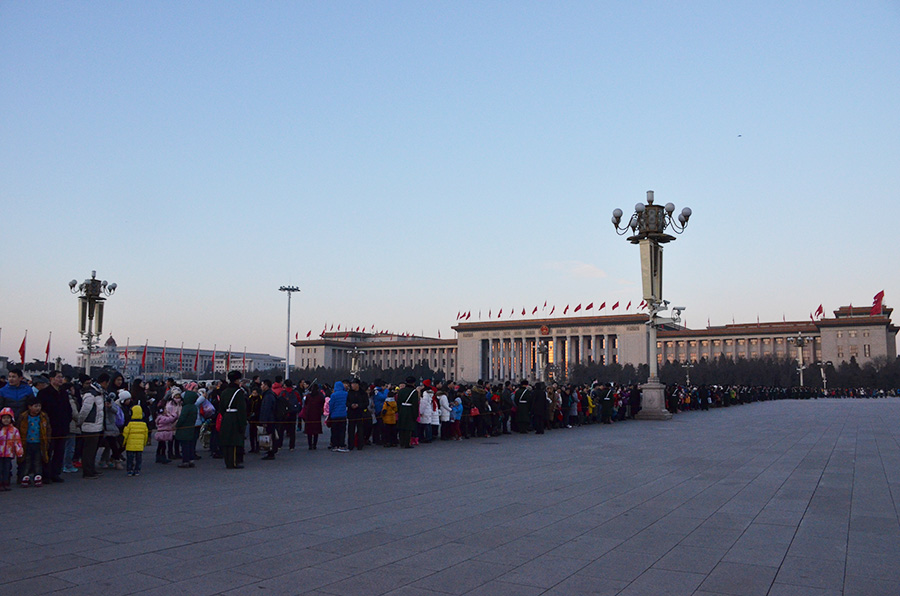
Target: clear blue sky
(402, 161)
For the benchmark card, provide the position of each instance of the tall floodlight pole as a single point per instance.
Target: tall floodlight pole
(92, 294)
(287, 356)
(648, 225)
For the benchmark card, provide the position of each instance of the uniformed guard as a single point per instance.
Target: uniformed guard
(407, 410)
(522, 400)
(233, 410)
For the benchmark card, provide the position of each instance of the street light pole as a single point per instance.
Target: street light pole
(687, 366)
(542, 349)
(800, 341)
(93, 293)
(287, 355)
(648, 225)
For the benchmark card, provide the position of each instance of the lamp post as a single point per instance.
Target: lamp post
(355, 354)
(687, 366)
(648, 225)
(542, 349)
(287, 355)
(800, 341)
(92, 294)
(822, 366)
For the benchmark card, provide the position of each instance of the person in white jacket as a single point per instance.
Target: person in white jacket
(90, 418)
(426, 412)
(444, 405)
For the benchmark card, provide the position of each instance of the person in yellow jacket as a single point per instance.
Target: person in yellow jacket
(135, 434)
(389, 421)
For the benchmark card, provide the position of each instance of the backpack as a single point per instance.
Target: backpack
(294, 402)
(282, 407)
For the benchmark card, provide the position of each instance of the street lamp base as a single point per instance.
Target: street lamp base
(653, 403)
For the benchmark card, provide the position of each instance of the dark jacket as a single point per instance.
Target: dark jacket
(233, 407)
(267, 407)
(184, 427)
(360, 399)
(56, 405)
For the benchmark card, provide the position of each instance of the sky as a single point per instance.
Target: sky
(401, 162)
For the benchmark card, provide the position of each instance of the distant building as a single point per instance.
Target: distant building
(178, 362)
(384, 350)
(507, 350)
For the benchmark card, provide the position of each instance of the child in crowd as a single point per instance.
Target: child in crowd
(34, 425)
(389, 420)
(10, 446)
(136, 434)
(455, 418)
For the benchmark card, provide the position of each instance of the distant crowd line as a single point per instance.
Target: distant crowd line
(53, 425)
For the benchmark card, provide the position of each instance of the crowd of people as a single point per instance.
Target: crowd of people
(53, 425)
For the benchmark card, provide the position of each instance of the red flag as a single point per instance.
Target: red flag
(296, 336)
(439, 334)
(552, 309)
(500, 314)
(458, 315)
(244, 360)
(534, 311)
(164, 356)
(642, 304)
(214, 360)
(346, 335)
(197, 359)
(47, 352)
(309, 334)
(615, 306)
(180, 357)
(332, 327)
(523, 311)
(468, 315)
(820, 311)
(577, 308)
(128, 341)
(589, 306)
(144, 355)
(629, 305)
(602, 306)
(566, 309)
(22, 348)
(876, 306)
(545, 304)
(339, 326)
(810, 318)
(489, 313)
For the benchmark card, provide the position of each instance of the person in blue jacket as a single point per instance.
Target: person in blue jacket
(337, 415)
(380, 394)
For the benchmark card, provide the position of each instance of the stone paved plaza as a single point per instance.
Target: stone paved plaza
(777, 498)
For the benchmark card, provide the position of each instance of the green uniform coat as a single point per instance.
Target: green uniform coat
(234, 416)
(407, 408)
(522, 400)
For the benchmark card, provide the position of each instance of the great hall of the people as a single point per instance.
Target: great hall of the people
(500, 350)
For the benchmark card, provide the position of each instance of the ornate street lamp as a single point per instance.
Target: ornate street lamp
(287, 356)
(93, 293)
(648, 225)
(687, 366)
(543, 350)
(355, 355)
(800, 341)
(822, 366)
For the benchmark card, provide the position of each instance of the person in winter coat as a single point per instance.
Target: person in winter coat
(337, 405)
(165, 427)
(389, 421)
(407, 410)
(55, 403)
(522, 400)
(10, 446)
(357, 413)
(539, 408)
(444, 413)
(427, 411)
(456, 413)
(311, 414)
(267, 415)
(90, 419)
(233, 410)
(379, 396)
(34, 428)
(135, 434)
(184, 428)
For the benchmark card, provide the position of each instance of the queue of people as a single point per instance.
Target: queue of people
(54, 425)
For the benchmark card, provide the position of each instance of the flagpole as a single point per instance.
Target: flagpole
(47, 358)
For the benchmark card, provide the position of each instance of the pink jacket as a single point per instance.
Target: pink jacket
(10, 442)
(165, 424)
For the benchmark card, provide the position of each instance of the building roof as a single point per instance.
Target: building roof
(635, 319)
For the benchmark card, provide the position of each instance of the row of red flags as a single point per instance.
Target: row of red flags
(877, 307)
(466, 315)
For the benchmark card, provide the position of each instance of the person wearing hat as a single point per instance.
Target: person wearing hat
(233, 404)
(357, 412)
(407, 410)
(522, 399)
(55, 403)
